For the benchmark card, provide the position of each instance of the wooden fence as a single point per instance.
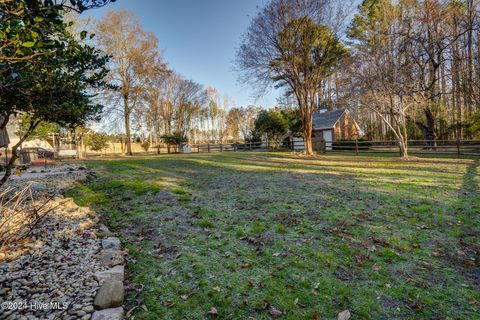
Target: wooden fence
(458, 147)
(250, 146)
(452, 147)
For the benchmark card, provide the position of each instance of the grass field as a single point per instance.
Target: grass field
(262, 235)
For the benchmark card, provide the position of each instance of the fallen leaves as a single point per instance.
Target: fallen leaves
(213, 311)
(305, 251)
(415, 305)
(358, 261)
(344, 315)
(265, 304)
(274, 312)
(253, 241)
(469, 263)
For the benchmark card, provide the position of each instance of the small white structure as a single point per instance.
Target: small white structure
(67, 153)
(186, 149)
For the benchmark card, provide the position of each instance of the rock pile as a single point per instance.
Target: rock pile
(64, 270)
(109, 298)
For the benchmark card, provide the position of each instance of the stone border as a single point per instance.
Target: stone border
(108, 301)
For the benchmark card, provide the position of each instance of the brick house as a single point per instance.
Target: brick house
(330, 126)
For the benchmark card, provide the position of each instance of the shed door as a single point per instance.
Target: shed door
(328, 137)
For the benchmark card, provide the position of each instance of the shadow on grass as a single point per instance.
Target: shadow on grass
(258, 231)
(470, 186)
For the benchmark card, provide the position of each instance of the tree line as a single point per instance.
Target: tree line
(408, 69)
(418, 68)
(155, 103)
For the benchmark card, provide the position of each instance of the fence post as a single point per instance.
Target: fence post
(235, 147)
(221, 146)
(198, 148)
(208, 147)
(356, 146)
(458, 146)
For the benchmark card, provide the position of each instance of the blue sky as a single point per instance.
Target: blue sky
(199, 39)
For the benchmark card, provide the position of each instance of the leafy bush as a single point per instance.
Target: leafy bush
(176, 138)
(145, 145)
(97, 141)
(272, 123)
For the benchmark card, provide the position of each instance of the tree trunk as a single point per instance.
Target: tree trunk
(430, 127)
(307, 137)
(127, 127)
(11, 163)
(403, 148)
(9, 166)
(82, 147)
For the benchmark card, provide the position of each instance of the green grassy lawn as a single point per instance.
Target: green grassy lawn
(256, 234)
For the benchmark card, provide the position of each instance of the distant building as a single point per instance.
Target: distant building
(12, 131)
(334, 125)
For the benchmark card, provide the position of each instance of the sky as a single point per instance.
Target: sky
(199, 39)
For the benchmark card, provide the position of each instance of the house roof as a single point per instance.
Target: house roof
(326, 120)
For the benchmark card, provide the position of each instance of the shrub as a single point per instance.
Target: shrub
(97, 141)
(145, 145)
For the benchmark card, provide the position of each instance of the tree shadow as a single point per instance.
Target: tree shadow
(469, 186)
(327, 221)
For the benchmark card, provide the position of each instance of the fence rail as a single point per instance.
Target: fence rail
(457, 147)
(249, 146)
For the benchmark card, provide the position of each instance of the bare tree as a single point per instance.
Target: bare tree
(241, 121)
(134, 53)
(215, 115)
(189, 97)
(287, 44)
(429, 50)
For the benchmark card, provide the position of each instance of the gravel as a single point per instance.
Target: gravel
(51, 274)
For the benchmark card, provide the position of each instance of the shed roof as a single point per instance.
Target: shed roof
(326, 120)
